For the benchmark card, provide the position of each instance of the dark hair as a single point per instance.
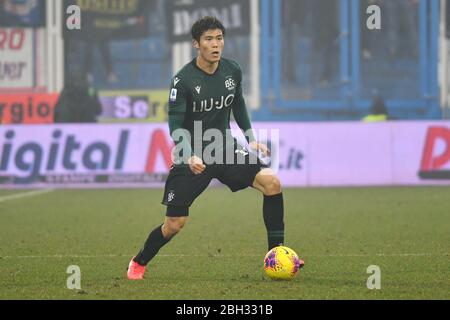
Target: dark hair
(378, 106)
(204, 24)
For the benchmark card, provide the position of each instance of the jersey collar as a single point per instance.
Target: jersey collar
(194, 62)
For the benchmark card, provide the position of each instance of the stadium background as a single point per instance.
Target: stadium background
(307, 65)
(312, 71)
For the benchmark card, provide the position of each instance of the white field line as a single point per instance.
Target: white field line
(74, 256)
(25, 195)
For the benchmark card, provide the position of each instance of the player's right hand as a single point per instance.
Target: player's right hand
(196, 165)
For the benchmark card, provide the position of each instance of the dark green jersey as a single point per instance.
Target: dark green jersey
(198, 97)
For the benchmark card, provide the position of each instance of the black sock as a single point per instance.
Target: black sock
(155, 241)
(273, 213)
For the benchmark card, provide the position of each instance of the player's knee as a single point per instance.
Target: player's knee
(272, 186)
(172, 226)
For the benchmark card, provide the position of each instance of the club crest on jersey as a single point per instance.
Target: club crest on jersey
(230, 84)
(173, 95)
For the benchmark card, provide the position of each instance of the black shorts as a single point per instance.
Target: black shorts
(183, 186)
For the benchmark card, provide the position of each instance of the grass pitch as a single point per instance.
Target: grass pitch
(219, 254)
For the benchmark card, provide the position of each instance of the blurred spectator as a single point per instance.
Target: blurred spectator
(103, 44)
(402, 27)
(325, 28)
(447, 13)
(77, 103)
(378, 111)
(294, 14)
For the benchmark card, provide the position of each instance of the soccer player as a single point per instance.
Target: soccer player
(202, 94)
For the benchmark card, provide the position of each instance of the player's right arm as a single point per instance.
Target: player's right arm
(180, 135)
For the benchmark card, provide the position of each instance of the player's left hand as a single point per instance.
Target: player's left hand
(260, 147)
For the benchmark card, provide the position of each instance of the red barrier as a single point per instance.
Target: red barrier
(27, 108)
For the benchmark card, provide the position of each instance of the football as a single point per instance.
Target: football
(282, 263)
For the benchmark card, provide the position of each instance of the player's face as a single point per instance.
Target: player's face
(211, 45)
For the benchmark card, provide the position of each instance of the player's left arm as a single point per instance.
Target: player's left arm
(243, 121)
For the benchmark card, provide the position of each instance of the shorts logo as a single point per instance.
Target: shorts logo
(173, 95)
(170, 196)
(230, 84)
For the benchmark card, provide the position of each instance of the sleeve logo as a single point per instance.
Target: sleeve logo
(173, 95)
